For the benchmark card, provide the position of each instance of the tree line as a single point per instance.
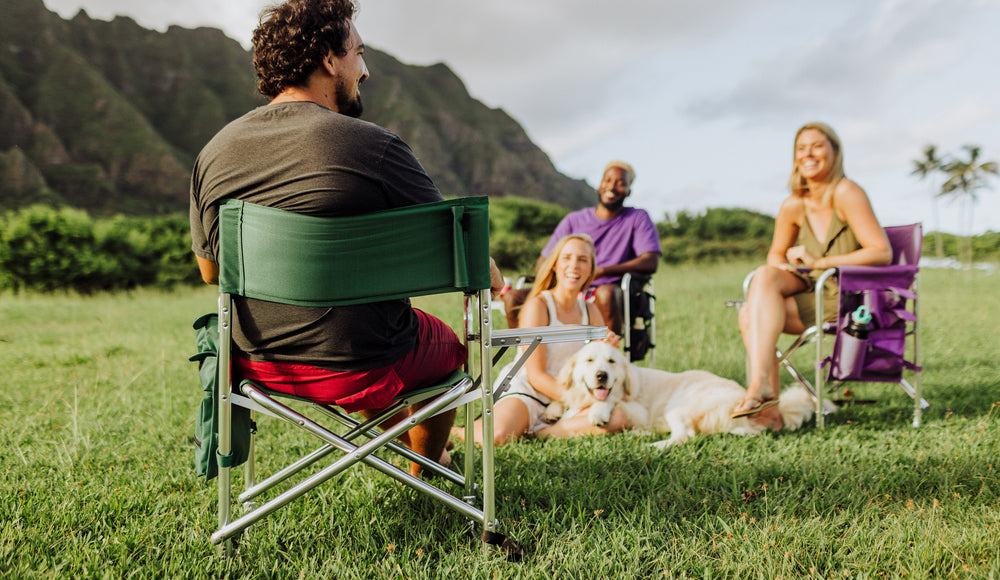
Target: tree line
(44, 248)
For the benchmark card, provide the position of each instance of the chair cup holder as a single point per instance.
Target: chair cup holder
(850, 360)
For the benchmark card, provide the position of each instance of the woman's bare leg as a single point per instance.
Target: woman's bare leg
(768, 312)
(510, 421)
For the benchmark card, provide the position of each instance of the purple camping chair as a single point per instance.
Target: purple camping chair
(890, 295)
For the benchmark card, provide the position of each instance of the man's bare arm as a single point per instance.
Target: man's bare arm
(209, 270)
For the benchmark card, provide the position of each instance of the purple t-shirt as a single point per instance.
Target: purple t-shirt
(619, 239)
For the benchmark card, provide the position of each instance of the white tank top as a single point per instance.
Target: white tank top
(557, 353)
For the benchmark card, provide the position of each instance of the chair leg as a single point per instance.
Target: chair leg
(799, 377)
(358, 428)
(652, 326)
(919, 404)
(470, 458)
(253, 490)
(354, 454)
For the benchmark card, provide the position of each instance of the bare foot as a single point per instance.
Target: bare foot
(769, 419)
(753, 405)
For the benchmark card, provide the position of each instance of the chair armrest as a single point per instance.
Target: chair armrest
(568, 333)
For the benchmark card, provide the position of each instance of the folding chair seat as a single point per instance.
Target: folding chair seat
(289, 258)
(639, 314)
(890, 296)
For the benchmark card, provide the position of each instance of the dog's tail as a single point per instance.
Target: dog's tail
(796, 407)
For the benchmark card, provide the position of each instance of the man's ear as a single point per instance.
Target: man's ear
(329, 63)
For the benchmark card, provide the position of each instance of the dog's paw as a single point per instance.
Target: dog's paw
(600, 414)
(668, 443)
(553, 412)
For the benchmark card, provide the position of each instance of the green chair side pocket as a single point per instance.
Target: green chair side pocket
(206, 430)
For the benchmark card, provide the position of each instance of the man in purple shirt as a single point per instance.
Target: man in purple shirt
(625, 238)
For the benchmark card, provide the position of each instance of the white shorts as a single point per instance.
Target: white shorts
(532, 399)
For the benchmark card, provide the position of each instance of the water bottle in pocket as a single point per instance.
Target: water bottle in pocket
(852, 347)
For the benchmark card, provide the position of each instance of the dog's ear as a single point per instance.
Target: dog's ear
(565, 377)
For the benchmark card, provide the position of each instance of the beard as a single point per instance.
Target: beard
(348, 103)
(612, 207)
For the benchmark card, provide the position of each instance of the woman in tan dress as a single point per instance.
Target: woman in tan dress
(827, 221)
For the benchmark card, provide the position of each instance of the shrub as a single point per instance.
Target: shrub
(158, 249)
(690, 249)
(519, 230)
(46, 249)
(719, 224)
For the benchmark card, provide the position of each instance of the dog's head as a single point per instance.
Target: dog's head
(597, 372)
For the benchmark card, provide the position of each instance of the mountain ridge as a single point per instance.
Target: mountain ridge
(108, 116)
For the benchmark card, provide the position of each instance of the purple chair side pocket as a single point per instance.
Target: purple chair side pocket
(886, 350)
(849, 359)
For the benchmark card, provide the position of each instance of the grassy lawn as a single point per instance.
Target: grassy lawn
(97, 407)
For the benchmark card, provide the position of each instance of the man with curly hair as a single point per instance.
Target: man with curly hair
(306, 151)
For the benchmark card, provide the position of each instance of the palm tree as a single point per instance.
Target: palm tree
(925, 168)
(965, 178)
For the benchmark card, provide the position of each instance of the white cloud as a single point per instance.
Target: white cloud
(867, 61)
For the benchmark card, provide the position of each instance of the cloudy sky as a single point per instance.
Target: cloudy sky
(703, 98)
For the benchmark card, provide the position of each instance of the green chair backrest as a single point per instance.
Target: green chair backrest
(281, 256)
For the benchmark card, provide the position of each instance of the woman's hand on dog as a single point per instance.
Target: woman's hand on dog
(612, 338)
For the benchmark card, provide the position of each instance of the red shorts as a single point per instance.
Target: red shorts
(437, 353)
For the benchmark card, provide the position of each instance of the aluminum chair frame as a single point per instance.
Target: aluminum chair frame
(627, 318)
(459, 390)
(818, 334)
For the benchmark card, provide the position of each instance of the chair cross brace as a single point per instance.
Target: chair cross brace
(353, 454)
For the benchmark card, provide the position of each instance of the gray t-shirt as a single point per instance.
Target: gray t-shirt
(305, 158)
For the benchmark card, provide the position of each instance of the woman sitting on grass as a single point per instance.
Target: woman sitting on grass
(553, 301)
(826, 222)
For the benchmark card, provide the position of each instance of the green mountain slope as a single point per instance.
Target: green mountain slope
(109, 116)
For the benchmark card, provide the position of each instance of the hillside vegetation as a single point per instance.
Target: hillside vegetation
(109, 116)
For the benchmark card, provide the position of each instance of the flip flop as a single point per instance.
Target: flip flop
(760, 406)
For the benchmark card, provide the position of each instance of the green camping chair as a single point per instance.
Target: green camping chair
(280, 256)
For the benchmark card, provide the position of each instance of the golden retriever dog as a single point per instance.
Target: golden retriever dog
(599, 376)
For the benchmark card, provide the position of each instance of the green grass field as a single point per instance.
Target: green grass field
(97, 405)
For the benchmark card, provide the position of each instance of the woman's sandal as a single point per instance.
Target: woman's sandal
(760, 406)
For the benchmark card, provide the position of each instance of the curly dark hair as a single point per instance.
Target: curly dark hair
(293, 38)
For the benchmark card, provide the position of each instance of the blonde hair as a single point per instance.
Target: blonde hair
(546, 279)
(624, 167)
(797, 183)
